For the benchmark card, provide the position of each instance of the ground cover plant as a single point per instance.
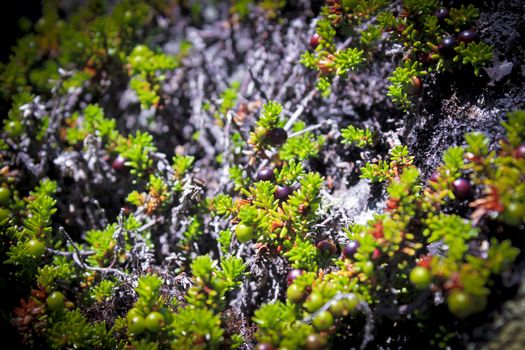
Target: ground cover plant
(264, 175)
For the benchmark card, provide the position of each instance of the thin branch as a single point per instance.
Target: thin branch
(77, 254)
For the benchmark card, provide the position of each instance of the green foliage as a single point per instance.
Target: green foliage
(303, 255)
(213, 283)
(477, 54)
(196, 328)
(383, 170)
(137, 151)
(420, 6)
(277, 323)
(462, 17)
(224, 240)
(401, 81)
(515, 127)
(36, 226)
(355, 136)
(60, 271)
(347, 60)
(103, 291)
(93, 122)
(73, 330)
(416, 28)
(301, 147)
(13, 124)
(453, 230)
(103, 245)
(222, 204)
(271, 115)
(238, 176)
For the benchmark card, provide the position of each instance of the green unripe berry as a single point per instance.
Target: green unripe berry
(132, 313)
(514, 214)
(5, 196)
(154, 321)
(352, 301)
(136, 325)
(55, 301)
(36, 248)
(260, 131)
(339, 308)
(244, 233)
(323, 321)
(295, 293)
(460, 303)
(314, 302)
(368, 268)
(420, 277)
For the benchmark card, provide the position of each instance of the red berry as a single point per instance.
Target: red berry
(293, 274)
(282, 193)
(264, 346)
(119, 164)
(462, 188)
(350, 249)
(314, 40)
(415, 87)
(468, 36)
(441, 13)
(266, 174)
(327, 247)
(277, 136)
(315, 342)
(520, 151)
(446, 47)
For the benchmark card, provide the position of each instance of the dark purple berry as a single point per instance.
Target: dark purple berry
(441, 13)
(462, 188)
(434, 177)
(264, 346)
(446, 47)
(520, 151)
(266, 174)
(468, 36)
(118, 164)
(350, 249)
(282, 193)
(293, 274)
(327, 247)
(314, 41)
(277, 136)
